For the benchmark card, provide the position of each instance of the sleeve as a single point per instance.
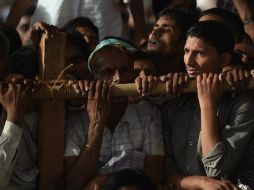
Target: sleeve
(9, 142)
(153, 138)
(236, 135)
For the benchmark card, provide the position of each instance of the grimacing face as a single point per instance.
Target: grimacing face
(200, 57)
(164, 38)
(114, 66)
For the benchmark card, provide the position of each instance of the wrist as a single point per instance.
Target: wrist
(96, 125)
(95, 134)
(17, 119)
(201, 180)
(208, 104)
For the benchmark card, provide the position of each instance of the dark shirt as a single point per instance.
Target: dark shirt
(181, 117)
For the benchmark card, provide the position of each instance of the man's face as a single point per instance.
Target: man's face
(164, 39)
(23, 29)
(115, 67)
(74, 56)
(200, 57)
(144, 66)
(89, 35)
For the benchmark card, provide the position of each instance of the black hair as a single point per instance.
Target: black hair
(215, 34)
(25, 61)
(72, 25)
(13, 37)
(76, 39)
(159, 5)
(129, 177)
(183, 19)
(229, 18)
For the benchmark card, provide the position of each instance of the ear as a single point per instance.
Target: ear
(225, 59)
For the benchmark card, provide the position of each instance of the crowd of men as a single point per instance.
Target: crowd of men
(193, 141)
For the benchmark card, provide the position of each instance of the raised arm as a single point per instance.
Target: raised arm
(79, 169)
(17, 9)
(245, 10)
(14, 102)
(138, 15)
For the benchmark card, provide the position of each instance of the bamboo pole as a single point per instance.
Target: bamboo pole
(61, 91)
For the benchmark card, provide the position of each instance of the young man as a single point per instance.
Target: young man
(167, 39)
(86, 28)
(206, 134)
(113, 135)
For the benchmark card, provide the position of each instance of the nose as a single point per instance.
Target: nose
(157, 31)
(189, 59)
(116, 77)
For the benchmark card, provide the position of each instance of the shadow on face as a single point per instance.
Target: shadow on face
(113, 63)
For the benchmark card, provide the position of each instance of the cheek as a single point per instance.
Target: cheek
(209, 65)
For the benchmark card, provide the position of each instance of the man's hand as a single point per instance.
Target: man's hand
(209, 88)
(99, 102)
(15, 101)
(145, 84)
(237, 78)
(80, 86)
(39, 28)
(207, 183)
(175, 83)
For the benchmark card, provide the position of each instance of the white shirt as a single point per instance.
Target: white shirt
(206, 4)
(104, 13)
(18, 154)
(9, 142)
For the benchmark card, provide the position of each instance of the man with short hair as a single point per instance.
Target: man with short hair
(206, 134)
(167, 39)
(114, 135)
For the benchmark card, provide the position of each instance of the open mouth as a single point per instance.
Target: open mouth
(192, 72)
(152, 42)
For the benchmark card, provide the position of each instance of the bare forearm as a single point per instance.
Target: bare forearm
(137, 11)
(17, 9)
(184, 182)
(243, 8)
(86, 165)
(209, 130)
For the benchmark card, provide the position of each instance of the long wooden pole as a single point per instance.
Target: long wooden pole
(61, 91)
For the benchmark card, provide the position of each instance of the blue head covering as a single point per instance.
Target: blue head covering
(112, 41)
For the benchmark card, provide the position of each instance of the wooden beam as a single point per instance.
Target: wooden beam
(61, 91)
(52, 115)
